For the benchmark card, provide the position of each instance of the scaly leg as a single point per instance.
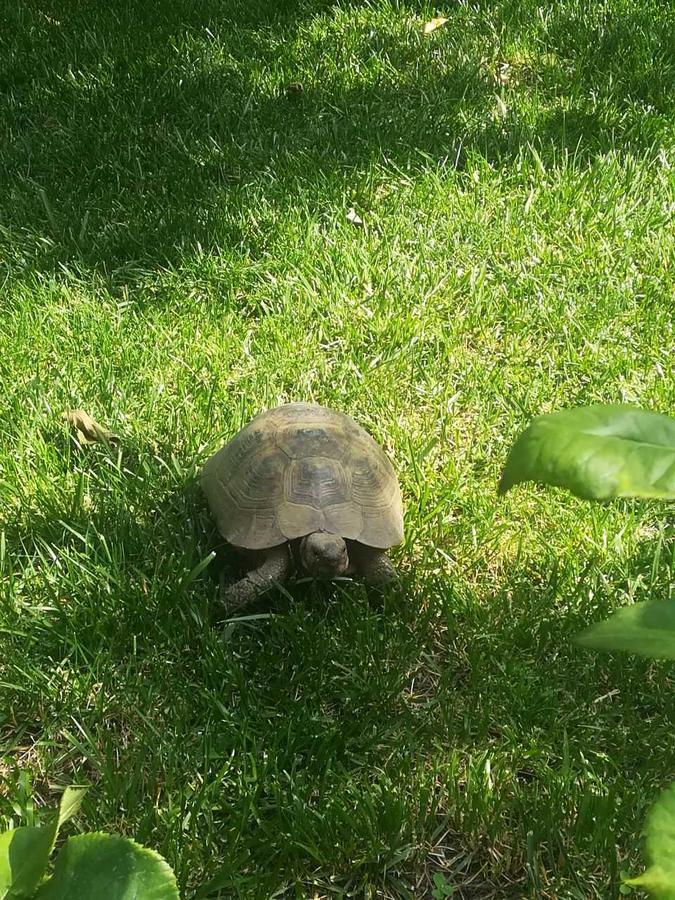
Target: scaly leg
(374, 566)
(275, 567)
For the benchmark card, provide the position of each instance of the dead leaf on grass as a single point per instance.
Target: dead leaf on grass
(433, 24)
(354, 217)
(502, 108)
(503, 73)
(88, 430)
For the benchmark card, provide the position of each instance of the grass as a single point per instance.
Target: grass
(176, 256)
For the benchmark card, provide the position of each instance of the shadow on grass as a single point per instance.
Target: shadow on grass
(338, 729)
(136, 136)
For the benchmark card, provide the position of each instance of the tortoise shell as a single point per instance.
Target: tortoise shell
(298, 469)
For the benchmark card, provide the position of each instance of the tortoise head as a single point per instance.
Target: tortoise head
(324, 555)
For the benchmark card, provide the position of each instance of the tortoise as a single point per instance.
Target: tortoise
(304, 483)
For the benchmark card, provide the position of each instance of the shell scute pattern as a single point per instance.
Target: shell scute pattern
(316, 481)
(302, 468)
(372, 485)
(302, 441)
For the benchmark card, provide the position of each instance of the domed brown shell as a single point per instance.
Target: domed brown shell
(302, 468)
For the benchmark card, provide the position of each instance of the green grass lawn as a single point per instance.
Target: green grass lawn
(175, 256)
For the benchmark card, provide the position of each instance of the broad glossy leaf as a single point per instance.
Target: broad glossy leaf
(111, 867)
(647, 629)
(659, 879)
(24, 852)
(597, 452)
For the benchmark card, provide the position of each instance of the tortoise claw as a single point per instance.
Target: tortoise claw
(237, 596)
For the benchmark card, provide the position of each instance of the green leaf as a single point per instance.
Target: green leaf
(71, 800)
(597, 452)
(24, 852)
(659, 879)
(97, 865)
(647, 629)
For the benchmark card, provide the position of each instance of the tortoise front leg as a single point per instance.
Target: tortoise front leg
(275, 567)
(374, 566)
